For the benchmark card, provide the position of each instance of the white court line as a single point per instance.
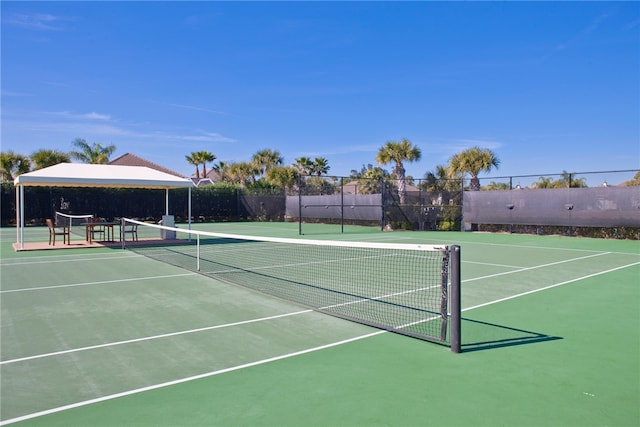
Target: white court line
(566, 282)
(154, 337)
(534, 267)
(281, 357)
(210, 328)
(30, 262)
(493, 265)
(103, 282)
(184, 380)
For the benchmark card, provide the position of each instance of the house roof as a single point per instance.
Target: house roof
(129, 159)
(90, 175)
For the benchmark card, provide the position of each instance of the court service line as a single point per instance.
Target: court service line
(564, 261)
(154, 337)
(49, 261)
(187, 379)
(566, 282)
(103, 282)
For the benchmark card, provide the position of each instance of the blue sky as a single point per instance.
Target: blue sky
(548, 86)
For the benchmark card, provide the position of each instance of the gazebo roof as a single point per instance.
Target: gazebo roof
(90, 175)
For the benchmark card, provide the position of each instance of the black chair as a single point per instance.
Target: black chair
(54, 231)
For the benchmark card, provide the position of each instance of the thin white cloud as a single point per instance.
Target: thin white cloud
(583, 33)
(83, 116)
(34, 21)
(195, 108)
(348, 149)
(204, 137)
(15, 94)
(631, 25)
(96, 116)
(477, 142)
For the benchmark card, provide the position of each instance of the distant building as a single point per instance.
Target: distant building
(212, 177)
(129, 159)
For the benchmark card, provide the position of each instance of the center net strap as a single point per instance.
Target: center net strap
(396, 287)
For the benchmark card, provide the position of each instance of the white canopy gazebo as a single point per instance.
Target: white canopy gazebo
(89, 175)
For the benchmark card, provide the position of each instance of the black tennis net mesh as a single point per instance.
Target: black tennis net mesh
(408, 289)
(75, 223)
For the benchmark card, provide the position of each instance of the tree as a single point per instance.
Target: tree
(194, 160)
(205, 157)
(94, 154)
(369, 179)
(283, 176)
(543, 182)
(45, 158)
(13, 164)
(304, 165)
(267, 159)
(633, 182)
(197, 158)
(222, 170)
(473, 161)
(496, 186)
(569, 180)
(399, 152)
(442, 179)
(320, 166)
(243, 172)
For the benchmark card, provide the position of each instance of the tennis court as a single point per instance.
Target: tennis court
(106, 337)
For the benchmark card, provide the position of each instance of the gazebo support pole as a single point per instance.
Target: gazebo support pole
(189, 212)
(20, 215)
(189, 209)
(166, 202)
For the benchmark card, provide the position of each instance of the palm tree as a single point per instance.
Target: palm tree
(45, 158)
(304, 165)
(198, 158)
(633, 182)
(369, 179)
(544, 182)
(283, 176)
(94, 154)
(569, 180)
(473, 161)
(222, 170)
(205, 157)
(320, 166)
(13, 164)
(399, 152)
(243, 172)
(193, 159)
(267, 159)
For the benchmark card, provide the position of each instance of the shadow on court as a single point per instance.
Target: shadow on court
(478, 335)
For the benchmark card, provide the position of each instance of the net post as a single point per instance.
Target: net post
(455, 298)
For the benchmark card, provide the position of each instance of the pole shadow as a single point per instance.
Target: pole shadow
(478, 336)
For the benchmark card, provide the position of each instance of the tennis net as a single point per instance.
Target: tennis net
(76, 223)
(409, 289)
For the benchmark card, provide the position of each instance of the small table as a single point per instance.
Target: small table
(108, 226)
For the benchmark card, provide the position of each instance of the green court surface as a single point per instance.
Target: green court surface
(107, 337)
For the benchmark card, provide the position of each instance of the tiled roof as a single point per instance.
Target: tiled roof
(129, 159)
